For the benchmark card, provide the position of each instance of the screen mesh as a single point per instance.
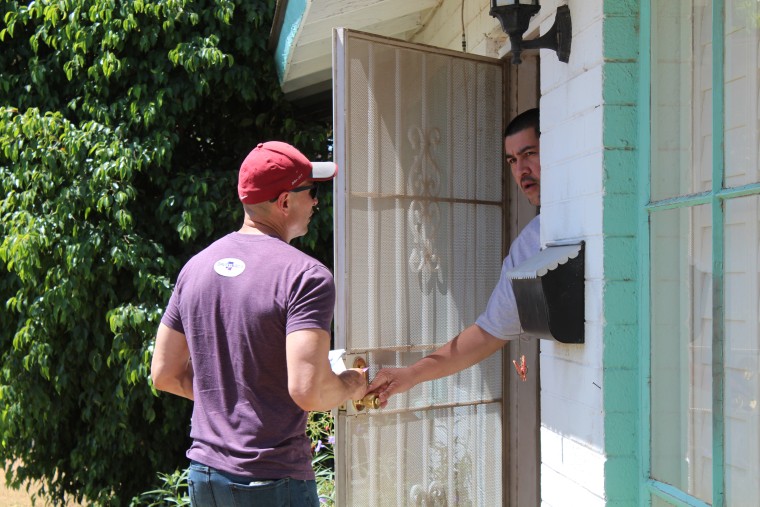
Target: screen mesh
(424, 184)
(419, 246)
(439, 457)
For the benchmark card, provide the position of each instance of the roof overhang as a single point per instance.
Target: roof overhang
(301, 35)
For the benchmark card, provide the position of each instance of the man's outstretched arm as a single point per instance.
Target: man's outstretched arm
(466, 349)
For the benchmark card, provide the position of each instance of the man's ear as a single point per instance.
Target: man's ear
(283, 202)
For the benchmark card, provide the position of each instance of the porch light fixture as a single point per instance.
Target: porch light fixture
(514, 18)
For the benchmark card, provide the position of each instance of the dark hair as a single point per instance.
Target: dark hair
(525, 120)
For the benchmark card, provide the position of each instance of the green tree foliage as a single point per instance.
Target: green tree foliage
(122, 126)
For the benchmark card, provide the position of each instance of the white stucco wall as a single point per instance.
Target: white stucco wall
(572, 417)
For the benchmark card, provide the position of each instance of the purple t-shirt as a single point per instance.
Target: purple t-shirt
(236, 301)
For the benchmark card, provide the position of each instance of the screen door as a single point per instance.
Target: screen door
(419, 228)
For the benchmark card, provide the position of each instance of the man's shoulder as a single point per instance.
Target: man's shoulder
(531, 231)
(528, 242)
(256, 249)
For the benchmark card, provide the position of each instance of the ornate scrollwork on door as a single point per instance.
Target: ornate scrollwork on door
(436, 495)
(424, 214)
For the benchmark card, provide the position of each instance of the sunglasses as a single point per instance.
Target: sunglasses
(311, 188)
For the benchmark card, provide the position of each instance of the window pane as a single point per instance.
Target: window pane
(742, 359)
(742, 92)
(659, 502)
(681, 115)
(681, 351)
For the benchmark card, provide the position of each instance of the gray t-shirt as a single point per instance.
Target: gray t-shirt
(500, 317)
(236, 301)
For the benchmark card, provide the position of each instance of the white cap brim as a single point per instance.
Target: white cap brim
(323, 171)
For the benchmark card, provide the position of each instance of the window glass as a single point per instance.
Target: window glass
(742, 101)
(742, 349)
(659, 502)
(681, 277)
(681, 97)
(681, 349)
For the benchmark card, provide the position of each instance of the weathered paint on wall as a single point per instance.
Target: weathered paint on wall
(293, 16)
(483, 34)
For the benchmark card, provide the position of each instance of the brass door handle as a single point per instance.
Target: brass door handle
(369, 401)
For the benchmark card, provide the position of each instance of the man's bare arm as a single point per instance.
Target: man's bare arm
(311, 382)
(171, 369)
(466, 349)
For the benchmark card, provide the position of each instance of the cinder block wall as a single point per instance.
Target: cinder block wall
(572, 194)
(622, 201)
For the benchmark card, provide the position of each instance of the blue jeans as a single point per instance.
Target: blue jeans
(212, 488)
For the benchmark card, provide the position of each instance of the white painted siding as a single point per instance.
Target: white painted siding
(572, 412)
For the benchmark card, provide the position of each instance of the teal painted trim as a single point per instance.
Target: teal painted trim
(743, 191)
(291, 24)
(673, 495)
(707, 197)
(718, 371)
(682, 201)
(620, 229)
(644, 175)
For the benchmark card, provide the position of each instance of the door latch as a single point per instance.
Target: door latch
(371, 400)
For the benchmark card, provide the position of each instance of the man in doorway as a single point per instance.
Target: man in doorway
(246, 336)
(499, 323)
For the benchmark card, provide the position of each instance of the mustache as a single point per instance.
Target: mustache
(527, 180)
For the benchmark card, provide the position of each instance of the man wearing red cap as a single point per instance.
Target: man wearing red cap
(246, 335)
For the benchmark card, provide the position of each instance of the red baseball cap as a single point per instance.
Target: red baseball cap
(275, 167)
